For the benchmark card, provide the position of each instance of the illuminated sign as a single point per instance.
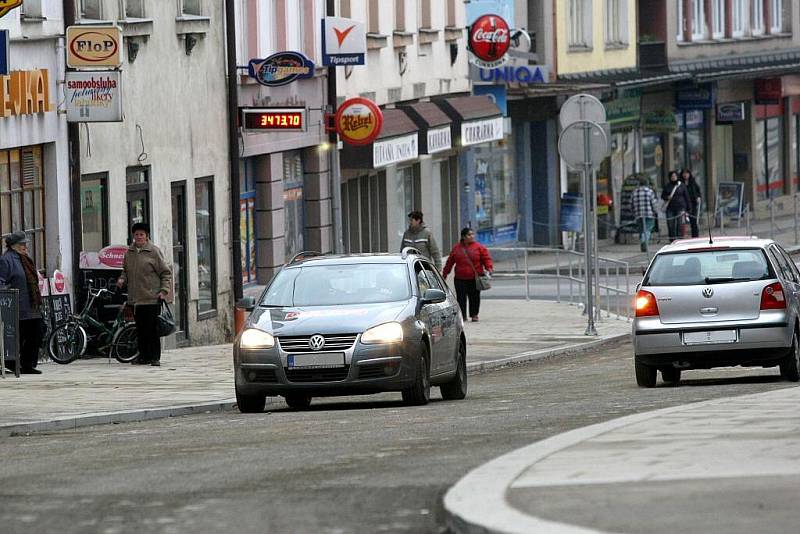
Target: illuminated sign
(94, 46)
(280, 68)
(94, 96)
(265, 119)
(8, 5)
(358, 121)
(25, 92)
(344, 41)
(489, 40)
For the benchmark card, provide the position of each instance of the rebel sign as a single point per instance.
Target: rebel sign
(489, 40)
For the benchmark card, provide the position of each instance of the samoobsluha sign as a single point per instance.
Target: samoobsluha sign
(94, 96)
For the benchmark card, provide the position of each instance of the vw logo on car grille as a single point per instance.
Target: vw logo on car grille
(708, 292)
(316, 342)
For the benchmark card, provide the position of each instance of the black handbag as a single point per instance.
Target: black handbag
(165, 322)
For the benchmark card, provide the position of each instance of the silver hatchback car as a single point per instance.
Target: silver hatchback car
(715, 303)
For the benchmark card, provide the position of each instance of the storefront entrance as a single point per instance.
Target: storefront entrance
(22, 197)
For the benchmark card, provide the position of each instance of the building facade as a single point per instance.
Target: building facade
(166, 162)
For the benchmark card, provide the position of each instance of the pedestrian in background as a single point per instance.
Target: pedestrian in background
(470, 259)
(419, 237)
(695, 200)
(17, 271)
(677, 204)
(645, 210)
(149, 280)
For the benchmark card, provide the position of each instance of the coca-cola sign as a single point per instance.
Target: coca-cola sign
(489, 40)
(112, 256)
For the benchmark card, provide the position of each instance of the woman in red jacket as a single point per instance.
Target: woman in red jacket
(470, 259)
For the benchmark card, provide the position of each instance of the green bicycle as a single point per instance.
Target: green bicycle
(69, 340)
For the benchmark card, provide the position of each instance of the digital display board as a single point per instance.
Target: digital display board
(267, 119)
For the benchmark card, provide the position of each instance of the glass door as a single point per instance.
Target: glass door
(179, 259)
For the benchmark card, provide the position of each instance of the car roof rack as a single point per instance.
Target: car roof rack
(410, 250)
(300, 256)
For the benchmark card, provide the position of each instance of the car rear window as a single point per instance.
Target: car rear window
(708, 267)
(330, 285)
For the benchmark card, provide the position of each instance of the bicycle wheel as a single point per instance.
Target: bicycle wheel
(125, 344)
(66, 343)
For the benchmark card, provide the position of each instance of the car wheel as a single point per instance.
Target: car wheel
(420, 391)
(645, 374)
(250, 403)
(456, 389)
(671, 376)
(790, 366)
(297, 401)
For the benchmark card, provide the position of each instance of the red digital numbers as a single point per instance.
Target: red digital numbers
(273, 120)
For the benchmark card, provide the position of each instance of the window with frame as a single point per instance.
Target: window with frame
(134, 9)
(776, 25)
(22, 197)
(295, 32)
(32, 9)
(689, 144)
(698, 19)
(94, 211)
(424, 17)
(739, 18)
(757, 20)
(344, 9)
(192, 7)
(373, 16)
(450, 15)
(90, 9)
(400, 15)
(206, 256)
(719, 19)
(617, 22)
(579, 24)
(680, 21)
(267, 36)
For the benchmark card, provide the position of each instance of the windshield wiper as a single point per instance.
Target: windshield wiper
(709, 280)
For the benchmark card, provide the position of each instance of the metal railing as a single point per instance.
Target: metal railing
(567, 268)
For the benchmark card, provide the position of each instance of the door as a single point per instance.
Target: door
(448, 312)
(179, 260)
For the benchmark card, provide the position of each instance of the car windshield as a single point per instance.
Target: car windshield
(708, 267)
(331, 285)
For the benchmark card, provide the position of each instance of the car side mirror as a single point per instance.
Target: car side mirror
(433, 296)
(247, 304)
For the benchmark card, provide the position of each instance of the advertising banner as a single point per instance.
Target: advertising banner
(94, 96)
(94, 47)
(344, 41)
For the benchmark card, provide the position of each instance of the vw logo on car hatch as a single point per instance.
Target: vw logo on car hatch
(316, 342)
(708, 292)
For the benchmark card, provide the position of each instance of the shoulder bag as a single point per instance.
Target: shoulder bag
(482, 281)
(165, 322)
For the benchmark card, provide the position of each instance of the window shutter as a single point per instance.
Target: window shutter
(29, 170)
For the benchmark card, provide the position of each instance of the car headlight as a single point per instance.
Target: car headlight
(253, 338)
(383, 333)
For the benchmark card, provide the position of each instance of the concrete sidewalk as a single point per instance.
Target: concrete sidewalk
(726, 465)
(199, 379)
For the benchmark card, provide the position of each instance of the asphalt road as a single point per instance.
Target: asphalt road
(356, 464)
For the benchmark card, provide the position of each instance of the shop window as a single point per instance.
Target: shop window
(94, 212)
(579, 24)
(616, 22)
(776, 25)
(719, 19)
(495, 194)
(740, 18)
(294, 228)
(795, 130)
(247, 221)
(137, 180)
(408, 180)
(364, 214)
(206, 256)
(757, 17)
(689, 145)
(22, 197)
(768, 159)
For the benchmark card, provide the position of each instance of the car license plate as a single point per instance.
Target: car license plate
(714, 336)
(332, 359)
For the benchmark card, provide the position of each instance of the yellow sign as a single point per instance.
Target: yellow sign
(94, 46)
(25, 92)
(8, 5)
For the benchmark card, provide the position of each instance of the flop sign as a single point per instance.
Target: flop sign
(94, 46)
(358, 121)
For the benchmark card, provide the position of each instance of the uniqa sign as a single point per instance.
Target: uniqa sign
(489, 40)
(519, 74)
(395, 150)
(358, 121)
(25, 92)
(280, 69)
(94, 46)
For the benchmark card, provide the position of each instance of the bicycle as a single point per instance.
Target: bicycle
(69, 340)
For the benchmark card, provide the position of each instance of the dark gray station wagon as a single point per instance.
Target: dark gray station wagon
(345, 325)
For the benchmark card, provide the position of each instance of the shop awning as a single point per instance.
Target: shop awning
(476, 119)
(631, 79)
(398, 142)
(434, 127)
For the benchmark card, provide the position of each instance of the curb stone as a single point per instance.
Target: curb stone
(147, 414)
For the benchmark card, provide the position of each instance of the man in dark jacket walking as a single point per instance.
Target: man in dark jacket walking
(677, 198)
(419, 237)
(17, 271)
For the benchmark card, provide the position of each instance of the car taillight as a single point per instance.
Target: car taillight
(646, 304)
(772, 297)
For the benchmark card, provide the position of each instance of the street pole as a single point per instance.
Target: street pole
(589, 228)
(74, 144)
(233, 150)
(333, 140)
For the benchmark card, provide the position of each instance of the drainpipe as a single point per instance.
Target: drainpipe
(233, 149)
(74, 144)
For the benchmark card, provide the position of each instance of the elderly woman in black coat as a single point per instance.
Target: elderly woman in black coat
(17, 271)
